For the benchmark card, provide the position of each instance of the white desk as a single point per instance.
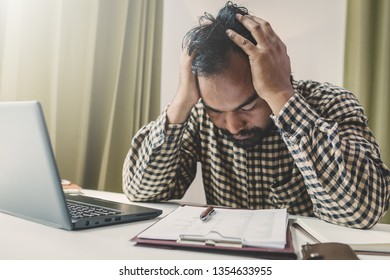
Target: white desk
(22, 239)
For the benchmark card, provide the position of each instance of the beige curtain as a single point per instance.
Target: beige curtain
(367, 65)
(95, 67)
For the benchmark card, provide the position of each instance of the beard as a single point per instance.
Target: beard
(253, 136)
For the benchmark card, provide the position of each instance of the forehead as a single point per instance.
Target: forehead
(230, 88)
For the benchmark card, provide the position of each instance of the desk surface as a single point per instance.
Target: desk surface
(22, 239)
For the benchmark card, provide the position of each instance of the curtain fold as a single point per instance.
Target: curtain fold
(367, 65)
(95, 67)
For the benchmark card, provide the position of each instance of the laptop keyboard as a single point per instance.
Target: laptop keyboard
(78, 211)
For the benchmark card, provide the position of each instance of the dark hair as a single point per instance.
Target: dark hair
(209, 42)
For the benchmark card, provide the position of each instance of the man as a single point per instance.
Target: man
(263, 139)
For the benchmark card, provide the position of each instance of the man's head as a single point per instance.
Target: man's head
(225, 79)
(209, 43)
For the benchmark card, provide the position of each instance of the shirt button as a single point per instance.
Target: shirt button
(287, 128)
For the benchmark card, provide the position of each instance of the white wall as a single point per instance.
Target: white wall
(313, 31)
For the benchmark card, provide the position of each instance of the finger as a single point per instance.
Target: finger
(253, 27)
(265, 25)
(260, 29)
(247, 46)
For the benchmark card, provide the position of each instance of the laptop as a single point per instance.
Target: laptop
(30, 184)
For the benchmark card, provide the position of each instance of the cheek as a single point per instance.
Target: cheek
(257, 118)
(262, 117)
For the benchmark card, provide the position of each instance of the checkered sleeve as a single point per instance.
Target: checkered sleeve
(158, 166)
(328, 137)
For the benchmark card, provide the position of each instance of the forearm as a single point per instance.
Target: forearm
(153, 169)
(180, 108)
(340, 162)
(187, 93)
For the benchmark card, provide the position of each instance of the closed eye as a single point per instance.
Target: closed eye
(249, 107)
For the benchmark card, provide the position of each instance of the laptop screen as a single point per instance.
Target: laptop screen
(29, 180)
(30, 185)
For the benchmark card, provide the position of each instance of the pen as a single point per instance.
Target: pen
(206, 214)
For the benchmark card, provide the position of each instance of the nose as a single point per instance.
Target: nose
(234, 123)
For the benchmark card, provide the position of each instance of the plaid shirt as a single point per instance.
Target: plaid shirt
(320, 159)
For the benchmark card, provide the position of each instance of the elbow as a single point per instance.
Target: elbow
(365, 210)
(140, 191)
(134, 193)
(130, 189)
(364, 221)
(351, 221)
(364, 216)
(135, 196)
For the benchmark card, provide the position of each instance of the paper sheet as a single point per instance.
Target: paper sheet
(259, 228)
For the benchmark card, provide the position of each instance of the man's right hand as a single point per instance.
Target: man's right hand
(187, 94)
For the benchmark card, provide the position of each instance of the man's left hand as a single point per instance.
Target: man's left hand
(269, 61)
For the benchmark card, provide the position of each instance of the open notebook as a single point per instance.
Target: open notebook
(30, 185)
(376, 239)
